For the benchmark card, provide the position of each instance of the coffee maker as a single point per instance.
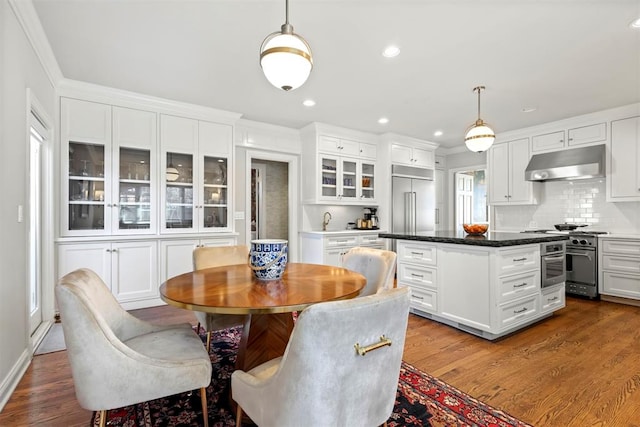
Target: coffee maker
(371, 219)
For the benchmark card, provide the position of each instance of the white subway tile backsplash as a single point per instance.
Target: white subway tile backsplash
(582, 201)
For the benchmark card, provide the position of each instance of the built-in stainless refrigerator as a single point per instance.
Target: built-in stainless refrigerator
(414, 199)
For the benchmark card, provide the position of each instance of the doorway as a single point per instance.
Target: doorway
(37, 137)
(470, 196)
(272, 198)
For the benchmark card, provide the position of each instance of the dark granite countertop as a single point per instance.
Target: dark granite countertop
(491, 238)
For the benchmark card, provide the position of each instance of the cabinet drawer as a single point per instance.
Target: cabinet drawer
(370, 240)
(519, 285)
(548, 141)
(622, 247)
(416, 253)
(333, 242)
(424, 300)
(622, 264)
(621, 284)
(517, 312)
(518, 260)
(553, 298)
(417, 276)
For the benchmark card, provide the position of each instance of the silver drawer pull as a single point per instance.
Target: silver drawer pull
(519, 259)
(552, 299)
(417, 253)
(416, 297)
(520, 311)
(421, 276)
(520, 285)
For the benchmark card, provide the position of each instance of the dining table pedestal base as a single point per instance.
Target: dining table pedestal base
(264, 337)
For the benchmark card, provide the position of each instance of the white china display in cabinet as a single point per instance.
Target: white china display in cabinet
(619, 268)
(130, 268)
(623, 162)
(558, 140)
(195, 175)
(338, 169)
(329, 248)
(506, 165)
(108, 169)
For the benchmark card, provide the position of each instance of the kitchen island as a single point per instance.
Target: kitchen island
(487, 285)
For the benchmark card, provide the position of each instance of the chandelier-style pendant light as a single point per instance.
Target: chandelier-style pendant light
(479, 136)
(285, 57)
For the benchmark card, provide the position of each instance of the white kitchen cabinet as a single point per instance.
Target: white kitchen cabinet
(623, 162)
(483, 290)
(329, 248)
(412, 156)
(619, 261)
(553, 141)
(507, 163)
(338, 170)
(109, 183)
(195, 165)
(130, 269)
(176, 256)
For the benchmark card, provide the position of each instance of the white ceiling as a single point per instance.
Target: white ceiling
(565, 57)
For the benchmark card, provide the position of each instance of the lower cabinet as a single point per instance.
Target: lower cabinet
(620, 267)
(330, 248)
(134, 270)
(489, 292)
(130, 269)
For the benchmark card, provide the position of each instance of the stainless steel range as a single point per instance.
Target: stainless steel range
(582, 263)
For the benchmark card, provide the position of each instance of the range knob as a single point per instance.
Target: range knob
(575, 241)
(583, 242)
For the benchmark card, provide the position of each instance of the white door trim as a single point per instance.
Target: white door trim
(452, 194)
(294, 195)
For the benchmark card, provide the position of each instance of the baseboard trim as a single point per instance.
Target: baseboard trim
(10, 382)
(620, 300)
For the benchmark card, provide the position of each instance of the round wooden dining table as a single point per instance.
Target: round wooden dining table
(268, 305)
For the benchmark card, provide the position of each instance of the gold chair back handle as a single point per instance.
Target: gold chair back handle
(384, 341)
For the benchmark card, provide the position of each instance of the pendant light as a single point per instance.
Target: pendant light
(285, 57)
(479, 136)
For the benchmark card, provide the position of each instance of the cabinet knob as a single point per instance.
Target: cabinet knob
(506, 197)
(114, 250)
(115, 205)
(570, 139)
(108, 250)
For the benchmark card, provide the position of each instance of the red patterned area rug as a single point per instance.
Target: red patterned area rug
(421, 400)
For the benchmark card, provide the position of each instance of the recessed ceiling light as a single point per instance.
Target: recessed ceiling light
(438, 133)
(308, 102)
(391, 51)
(635, 24)
(529, 109)
(383, 120)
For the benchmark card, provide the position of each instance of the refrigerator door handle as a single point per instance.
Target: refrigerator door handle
(413, 212)
(407, 212)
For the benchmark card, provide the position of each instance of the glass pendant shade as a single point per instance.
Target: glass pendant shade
(286, 60)
(479, 137)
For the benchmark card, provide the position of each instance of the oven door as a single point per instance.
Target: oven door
(553, 269)
(581, 266)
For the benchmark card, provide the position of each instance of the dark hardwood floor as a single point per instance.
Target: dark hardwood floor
(580, 367)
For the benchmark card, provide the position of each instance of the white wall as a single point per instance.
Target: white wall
(581, 201)
(19, 69)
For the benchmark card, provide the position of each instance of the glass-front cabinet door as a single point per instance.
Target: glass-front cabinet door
(179, 191)
(86, 188)
(134, 190)
(349, 180)
(329, 177)
(214, 189)
(367, 181)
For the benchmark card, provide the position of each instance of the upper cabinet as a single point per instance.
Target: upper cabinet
(108, 165)
(623, 162)
(569, 138)
(507, 163)
(412, 156)
(195, 174)
(338, 168)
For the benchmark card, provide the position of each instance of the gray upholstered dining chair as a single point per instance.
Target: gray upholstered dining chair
(341, 366)
(217, 256)
(117, 359)
(376, 265)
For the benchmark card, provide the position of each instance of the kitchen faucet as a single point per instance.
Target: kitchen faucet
(325, 221)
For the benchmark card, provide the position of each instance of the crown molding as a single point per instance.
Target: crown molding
(93, 92)
(30, 22)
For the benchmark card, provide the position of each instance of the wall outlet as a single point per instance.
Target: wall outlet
(533, 224)
(20, 213)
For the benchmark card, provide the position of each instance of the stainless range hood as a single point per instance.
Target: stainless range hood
(577, 163)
